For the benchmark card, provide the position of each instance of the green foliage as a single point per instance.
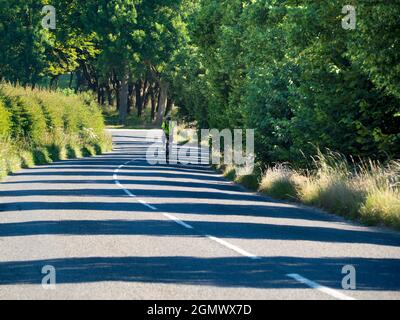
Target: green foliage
(250, 181)
(5, 123)
(290, 71)
(73, 151)
(230, 173)
(88, 151)
(376, 46)
(281, 183)
(382, 206)
(26, 158)
(285, 68)
(22, 41)
(368, 192)
(9, 161)
(41, 126)
(41, 156)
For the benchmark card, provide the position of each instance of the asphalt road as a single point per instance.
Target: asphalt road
(116, 227)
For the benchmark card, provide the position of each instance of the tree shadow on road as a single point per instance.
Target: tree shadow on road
(164, 228)
(267, 273)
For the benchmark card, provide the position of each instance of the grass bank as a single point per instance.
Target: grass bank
(39, 126)
(368, 191)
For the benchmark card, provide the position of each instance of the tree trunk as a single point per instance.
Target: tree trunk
(153, 104)
(109, 95)
(131, 99)
(162, 102)
(138, 91)
(54, 83)
(123, 99)
(71, 80)
(117, 98)
(145, 90)
(147, 97)
(99, 95)
(90, 76)
(78, 82)
(116, 88)
(170, 104)
(103, 96)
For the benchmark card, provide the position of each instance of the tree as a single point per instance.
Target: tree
(22, 42)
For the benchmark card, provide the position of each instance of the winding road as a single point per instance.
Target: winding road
(116, 227)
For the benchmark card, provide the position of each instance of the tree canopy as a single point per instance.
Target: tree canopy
(286, 68)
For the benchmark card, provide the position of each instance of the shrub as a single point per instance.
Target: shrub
(280, 182)
(73, 151)
(26, 158)
(9, 160)
(335, 194)
(56, 152)
(88, 151)
(5, 123)
(41, 156)
(382, 188)
(229, 172)
(366, 191)
(38, 127)
(381, 206)
(250, 181)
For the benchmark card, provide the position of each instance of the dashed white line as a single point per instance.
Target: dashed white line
(147, 205)
(234, 248)
(180, 222)
(170, 216)
(332, 292)
(314, 285)
(129, 193)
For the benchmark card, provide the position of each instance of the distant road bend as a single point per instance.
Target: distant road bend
(116, 227)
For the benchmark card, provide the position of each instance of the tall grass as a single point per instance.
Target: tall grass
(281, 182)
(38, 127)
(363, 190)
(367, 191)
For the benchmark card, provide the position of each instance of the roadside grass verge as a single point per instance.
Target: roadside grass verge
(366, 191)
(39, 127)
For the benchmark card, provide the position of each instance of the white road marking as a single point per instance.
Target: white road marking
(180, 222)
(129, 193)
(171, 217)
(119, 184)
(332, 292)
(234, 248)
(147, 205)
